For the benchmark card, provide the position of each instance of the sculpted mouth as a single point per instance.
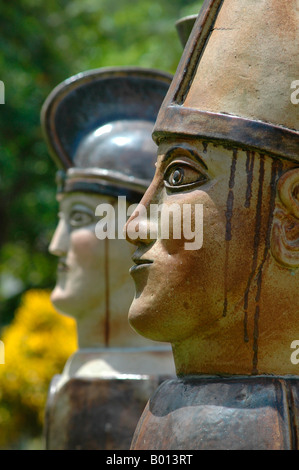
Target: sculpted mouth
(140, 263)
(62, 266)
(138, 260)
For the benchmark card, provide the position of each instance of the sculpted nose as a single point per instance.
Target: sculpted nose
(142, 226)
(60, 240)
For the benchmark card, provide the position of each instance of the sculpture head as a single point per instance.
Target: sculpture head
(98, 127)
(227, 140)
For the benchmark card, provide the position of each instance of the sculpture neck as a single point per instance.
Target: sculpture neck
(92, 330)
(108, 329)
(225, 351)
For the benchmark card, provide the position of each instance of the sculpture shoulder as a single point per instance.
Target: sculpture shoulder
(220, 413)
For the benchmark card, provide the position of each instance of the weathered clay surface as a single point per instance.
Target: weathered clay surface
(242, 413)
(221, 306)
(244, 66)
(96, 414)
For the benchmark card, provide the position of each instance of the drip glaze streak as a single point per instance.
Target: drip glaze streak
(255, 245)
(275, 171)
(249, 171)
(107, 293)
(229, 215)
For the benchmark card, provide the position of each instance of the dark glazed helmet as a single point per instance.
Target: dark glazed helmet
(98, 127)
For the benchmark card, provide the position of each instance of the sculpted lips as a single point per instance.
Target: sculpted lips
(140, 263)
(62, 266)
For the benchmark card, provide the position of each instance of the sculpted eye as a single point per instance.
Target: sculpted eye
(79, 218)
(177, 176)
(180, 175)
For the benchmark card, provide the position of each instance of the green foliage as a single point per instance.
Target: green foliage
(41, 44)
(37, 344)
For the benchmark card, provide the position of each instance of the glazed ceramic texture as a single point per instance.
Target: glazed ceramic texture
(228, 307)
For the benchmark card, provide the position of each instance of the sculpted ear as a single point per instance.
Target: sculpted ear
(285, 229)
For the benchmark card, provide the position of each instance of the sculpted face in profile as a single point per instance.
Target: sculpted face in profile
(216, 304)
(92, 277)
(230, 307)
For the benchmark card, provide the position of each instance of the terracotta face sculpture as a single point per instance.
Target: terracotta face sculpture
(92, 274)
(216, 304)
(229, 141)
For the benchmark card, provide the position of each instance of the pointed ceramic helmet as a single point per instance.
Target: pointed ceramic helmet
(98, 127)
(236, 77)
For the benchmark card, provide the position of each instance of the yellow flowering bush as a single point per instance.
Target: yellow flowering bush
(37, 344)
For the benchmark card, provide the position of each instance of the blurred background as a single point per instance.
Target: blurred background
(41, 44)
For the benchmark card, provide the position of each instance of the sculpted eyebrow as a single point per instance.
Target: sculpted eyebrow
(173, 152)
